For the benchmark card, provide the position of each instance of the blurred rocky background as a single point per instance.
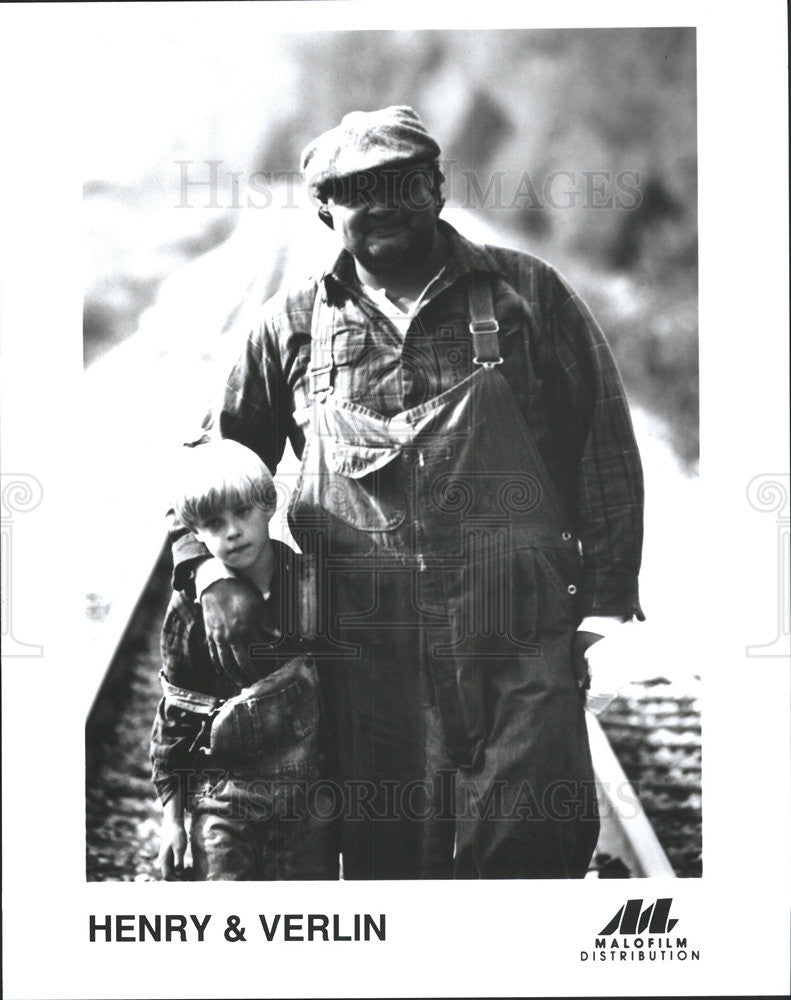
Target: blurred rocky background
(579, 145)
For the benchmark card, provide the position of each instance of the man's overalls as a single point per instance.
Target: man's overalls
(442, 575)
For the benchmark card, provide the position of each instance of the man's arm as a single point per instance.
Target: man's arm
(607, 480)
(255, 408)
(608, 472)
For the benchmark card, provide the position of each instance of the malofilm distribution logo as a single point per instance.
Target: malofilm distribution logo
(640, 933)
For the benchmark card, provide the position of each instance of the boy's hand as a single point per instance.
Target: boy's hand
(236, 617)
(174, 844)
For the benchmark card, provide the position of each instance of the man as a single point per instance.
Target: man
(469, 505)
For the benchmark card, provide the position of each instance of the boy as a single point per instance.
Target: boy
(242, 753)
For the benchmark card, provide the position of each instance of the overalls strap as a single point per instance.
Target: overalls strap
(321, 337)
(483, 323)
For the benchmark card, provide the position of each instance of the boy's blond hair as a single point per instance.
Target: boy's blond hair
(217, 476)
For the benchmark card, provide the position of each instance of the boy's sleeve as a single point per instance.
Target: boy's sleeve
(172, 761)
(185, 663)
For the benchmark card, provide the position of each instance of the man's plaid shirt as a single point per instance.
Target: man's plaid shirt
(556, 362)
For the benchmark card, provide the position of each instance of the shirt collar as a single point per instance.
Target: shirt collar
(464, 257)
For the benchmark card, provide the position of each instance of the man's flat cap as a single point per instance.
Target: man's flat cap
(366, 140)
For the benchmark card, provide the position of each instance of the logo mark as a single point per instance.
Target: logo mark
(640, 933)
(633, 919)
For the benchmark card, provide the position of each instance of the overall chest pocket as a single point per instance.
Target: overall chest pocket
(350, 362)
(362, 486)
(352, 468)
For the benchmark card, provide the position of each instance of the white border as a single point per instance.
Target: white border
(443, 939)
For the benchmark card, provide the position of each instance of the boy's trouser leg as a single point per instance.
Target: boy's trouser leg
(298, 840)
(224, 849)
(301, 840)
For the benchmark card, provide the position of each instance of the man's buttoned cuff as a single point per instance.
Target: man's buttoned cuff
(611, 594)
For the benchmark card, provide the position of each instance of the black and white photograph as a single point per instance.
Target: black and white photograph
(463, 481)
(414, 515)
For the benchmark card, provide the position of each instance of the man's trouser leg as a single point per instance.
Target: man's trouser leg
(527, 805)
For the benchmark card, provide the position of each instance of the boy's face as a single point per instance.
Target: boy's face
(237, 536)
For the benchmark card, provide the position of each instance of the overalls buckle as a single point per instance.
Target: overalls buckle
(487, 364)
(484, 326)
(484, 331)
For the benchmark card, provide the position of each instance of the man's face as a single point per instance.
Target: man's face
(386, 218)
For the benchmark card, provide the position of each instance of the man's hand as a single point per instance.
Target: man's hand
(596, 666)
(236, 618)
(583, 640)
(173, 845)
